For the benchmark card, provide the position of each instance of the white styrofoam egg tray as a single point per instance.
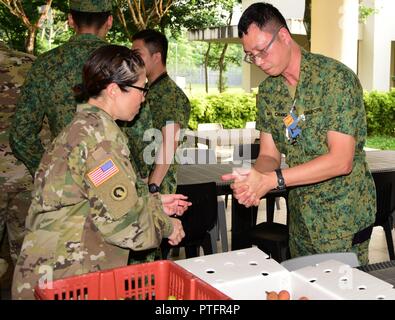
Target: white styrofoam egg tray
(249, 273)
(344, 282)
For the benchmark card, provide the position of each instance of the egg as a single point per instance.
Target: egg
(284, 295)
(272, 295)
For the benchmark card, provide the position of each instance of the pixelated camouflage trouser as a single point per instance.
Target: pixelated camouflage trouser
(300, 244)
(14, 207)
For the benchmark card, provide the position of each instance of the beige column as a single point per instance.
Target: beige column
(334, 30)
(375, 47)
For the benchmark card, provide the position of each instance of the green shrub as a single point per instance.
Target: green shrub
(380, 112)
(233, 110)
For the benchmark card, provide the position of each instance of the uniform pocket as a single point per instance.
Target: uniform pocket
(314, 132)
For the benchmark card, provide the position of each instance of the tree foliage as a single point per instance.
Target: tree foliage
(139, 15)
(174, 15)
(365, 12)
(32, 14)
(12, 31)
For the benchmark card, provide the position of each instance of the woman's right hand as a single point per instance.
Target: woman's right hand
(178, 232)
(175, 204)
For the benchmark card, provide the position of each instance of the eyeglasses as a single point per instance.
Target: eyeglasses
(262, 54)
(144, 90)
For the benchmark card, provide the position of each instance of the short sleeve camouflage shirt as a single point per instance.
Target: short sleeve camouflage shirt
(328, 98)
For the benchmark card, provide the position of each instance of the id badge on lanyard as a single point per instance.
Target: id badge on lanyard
(291, 121)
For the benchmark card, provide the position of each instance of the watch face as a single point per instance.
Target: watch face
(153, 188)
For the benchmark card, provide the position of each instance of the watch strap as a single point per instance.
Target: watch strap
(280, 179)
(153, 188)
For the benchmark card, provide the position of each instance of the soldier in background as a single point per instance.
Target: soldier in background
(15, 180)
(48, 87)
(168, 107)
(86, 214)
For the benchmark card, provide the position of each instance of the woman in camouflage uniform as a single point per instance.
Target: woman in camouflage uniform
(85, 214)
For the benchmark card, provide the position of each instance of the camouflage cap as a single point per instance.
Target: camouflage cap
(91, 5)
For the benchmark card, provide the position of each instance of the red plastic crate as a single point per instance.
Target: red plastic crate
(147, 281)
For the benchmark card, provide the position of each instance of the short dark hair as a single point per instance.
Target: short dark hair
(106, 65)
(90, 19)
(261, 14)
(155, 41)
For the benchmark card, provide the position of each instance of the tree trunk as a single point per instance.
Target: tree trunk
(206, 66)
(307, 20)
(30, 40)
(51, 36)
(221, 62)
(221, 82)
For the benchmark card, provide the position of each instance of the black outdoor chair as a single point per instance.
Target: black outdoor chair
(271, 237)
(197, 221)
(385, 193)
(245, 152)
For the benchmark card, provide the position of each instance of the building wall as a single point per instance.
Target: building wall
(334, 26)
(375, 52)
(335, 33)
(291, 9)
(392, 64)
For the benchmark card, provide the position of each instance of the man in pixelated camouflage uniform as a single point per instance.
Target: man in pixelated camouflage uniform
(15, 180)
(311, 109)
(168, 107)
(48, 87)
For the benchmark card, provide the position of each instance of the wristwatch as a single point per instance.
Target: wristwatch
(153, 188)
(280, 180)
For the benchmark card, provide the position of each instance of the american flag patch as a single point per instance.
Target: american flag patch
(103, 172)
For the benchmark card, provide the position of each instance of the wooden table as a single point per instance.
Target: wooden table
(382, 160)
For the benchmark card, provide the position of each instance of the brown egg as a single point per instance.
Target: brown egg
(272, 295)
(304, 298)
(284, 295)
(171, 298)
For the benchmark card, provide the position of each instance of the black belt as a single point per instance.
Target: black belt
(362, 236)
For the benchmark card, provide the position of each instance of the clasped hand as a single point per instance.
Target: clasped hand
(249, 185)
